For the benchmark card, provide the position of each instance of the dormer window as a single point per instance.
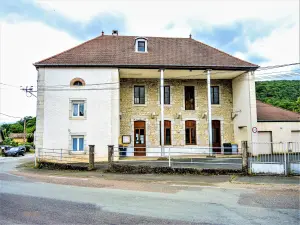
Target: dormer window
(141, 44)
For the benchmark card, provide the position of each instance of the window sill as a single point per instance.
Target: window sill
(77, 152)
(77, 118)
(139, 104)
(167, 105)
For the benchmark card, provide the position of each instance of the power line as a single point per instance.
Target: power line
(271, 75)
(11, 116)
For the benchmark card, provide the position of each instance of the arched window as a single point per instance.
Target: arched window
(77, 82)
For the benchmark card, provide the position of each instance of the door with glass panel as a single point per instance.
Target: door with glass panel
(139, 138)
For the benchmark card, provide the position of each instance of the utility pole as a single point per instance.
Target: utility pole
(24, 133)
(28, 90)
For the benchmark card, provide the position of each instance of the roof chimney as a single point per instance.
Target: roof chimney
(190, 35)
(102, 33)
(115, 32)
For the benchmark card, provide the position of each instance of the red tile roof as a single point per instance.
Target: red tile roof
(266, 112)
(119, 51)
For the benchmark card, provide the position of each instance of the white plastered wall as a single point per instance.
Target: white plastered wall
(54, 124)
(244, 105)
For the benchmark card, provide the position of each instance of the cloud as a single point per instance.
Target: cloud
(263, 32)
(21, 45)
(19, 10)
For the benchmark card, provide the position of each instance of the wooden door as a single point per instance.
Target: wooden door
(139, 138)
(216, 136)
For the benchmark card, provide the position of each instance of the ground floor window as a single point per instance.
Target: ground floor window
(190, 132)
(78, 143)
(167, 133)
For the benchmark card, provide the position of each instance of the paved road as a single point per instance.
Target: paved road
(27, 202)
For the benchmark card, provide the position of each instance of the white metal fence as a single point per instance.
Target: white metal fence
(275, 158)
(181, 157)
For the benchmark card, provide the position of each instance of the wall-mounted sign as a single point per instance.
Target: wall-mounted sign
(126, 139)
(254, 129)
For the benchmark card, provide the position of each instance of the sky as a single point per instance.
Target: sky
(262, 32)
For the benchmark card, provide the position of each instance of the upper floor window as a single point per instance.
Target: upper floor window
(141, 44)
(78, 108)
(139, 95)
(167, 95)
(214, 92)
(77, 82)
(189, 95)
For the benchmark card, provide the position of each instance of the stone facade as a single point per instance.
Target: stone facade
(175, 112)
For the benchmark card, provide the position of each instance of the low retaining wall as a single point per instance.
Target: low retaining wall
(141, 169)
(267, 168)
(295, 168)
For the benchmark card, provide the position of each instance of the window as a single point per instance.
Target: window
(167, 133)
(139, 95)
(190, 132)
(77, 143)
(167, 99)
(141, 46)
(77, 82)
(189, 94)
(214, 92)
(77, 109)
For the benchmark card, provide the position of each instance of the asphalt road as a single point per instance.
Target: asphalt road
(23, 201)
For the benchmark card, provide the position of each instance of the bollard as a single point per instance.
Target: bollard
(91, 157)
(245, 157)
(110, 156)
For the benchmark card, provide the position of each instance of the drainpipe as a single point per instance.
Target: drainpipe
(209, 112)
(162, 103)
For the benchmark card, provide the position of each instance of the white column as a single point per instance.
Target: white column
(209, 112)
(162, 124)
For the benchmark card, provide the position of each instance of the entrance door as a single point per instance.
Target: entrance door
(216, 136)
(139, 138)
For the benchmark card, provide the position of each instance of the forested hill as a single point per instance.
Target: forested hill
(281, 93)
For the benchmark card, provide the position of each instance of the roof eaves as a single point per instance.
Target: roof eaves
(169, 66)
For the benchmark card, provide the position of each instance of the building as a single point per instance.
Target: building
(278, 126)
(19, 138)
(108, 89)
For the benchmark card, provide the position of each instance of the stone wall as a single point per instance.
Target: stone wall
(130, 112)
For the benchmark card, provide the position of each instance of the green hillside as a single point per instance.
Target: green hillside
(281, 93)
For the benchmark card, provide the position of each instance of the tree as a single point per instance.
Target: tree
(16, 128)
(281, 93)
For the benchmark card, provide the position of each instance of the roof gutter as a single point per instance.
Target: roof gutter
(246, 68)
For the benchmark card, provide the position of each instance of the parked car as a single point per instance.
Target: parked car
(15, 151)
(5, 148)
